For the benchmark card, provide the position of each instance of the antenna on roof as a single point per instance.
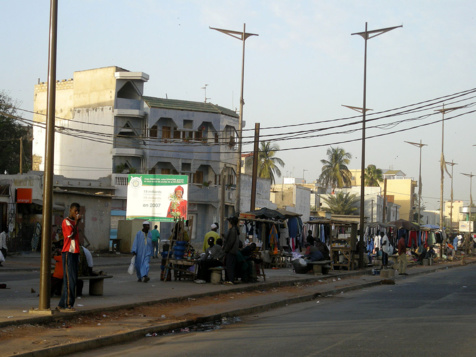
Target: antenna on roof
(205, 89)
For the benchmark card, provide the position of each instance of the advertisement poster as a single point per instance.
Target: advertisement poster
(160, 198)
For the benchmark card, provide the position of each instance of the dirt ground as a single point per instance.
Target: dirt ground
(66, 330)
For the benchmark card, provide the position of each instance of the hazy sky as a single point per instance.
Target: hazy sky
(300, 69)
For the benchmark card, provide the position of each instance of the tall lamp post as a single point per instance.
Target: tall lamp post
(452, 164)
(420, 145)
(442, 159)
(242, 36)
(366, 35)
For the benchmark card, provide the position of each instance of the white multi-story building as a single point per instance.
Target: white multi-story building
(106, 126)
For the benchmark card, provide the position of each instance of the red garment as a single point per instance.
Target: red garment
(71, 236)
(413, 237)
(181, 208)
(402, 249)
(58, 272)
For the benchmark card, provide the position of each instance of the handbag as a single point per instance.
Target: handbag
(132, 267)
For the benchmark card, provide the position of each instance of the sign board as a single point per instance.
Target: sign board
(466, 226)
(160, 198)
(24, 195)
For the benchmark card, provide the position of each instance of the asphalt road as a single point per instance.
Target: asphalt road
(426, 315)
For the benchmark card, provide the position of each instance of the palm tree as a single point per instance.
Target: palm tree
(267, 162)
(341, 203)
(335, 172)
(373, 176)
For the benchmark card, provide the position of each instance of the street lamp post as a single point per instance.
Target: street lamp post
(242, 36)
(442, 159)
(452, 164)
(366, 35)
(420, 145)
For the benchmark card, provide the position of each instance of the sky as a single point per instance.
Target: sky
(299, 71)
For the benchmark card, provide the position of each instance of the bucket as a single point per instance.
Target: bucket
(215, 276)
(425, 262)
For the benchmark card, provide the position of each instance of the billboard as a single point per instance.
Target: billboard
(160, 198)
(466, 226)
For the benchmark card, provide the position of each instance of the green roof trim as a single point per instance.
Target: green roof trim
(176, 104)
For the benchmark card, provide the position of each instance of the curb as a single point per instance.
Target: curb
(140, 333)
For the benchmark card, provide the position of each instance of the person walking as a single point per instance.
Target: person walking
(142, 250)
(155, 242)
(70, 256)
(231, 249)
(402, 257)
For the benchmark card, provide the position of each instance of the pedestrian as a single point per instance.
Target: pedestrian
(231, 249)
(155, 242)
(310, 239)
(212, 234)
(142, 250)
(57, 276)
(213, 258)
(385, 248)
(402, 257)
(70, 256)
(3, 245)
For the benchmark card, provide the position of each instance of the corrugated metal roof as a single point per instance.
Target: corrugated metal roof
(176, 104)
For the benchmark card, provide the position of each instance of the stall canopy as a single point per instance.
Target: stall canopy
(401, 223)
(267, 214)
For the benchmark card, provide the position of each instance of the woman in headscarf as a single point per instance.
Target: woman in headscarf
(178, 206)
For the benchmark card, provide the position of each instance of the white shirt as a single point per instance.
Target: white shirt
(3, 240)
(89, 257)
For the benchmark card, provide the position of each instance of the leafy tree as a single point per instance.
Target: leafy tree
(10, 134)
(267, 162)
(335, 172)
(341, 203)
(373, 176)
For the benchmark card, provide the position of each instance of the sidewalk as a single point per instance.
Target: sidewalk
(193, 302)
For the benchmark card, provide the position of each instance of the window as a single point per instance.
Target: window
(177, 133)
(166, 132)
(198, 136)
(153, 132)
(165, 171)
(198, 177)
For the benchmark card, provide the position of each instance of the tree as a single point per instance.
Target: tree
(373, 176)
(341, 203)
(10, 135)
(267, 162)
(335, 172)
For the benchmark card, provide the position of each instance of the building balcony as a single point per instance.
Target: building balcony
(128, 104)
(210, 194)
(119, 182)
(131, 152)
(129, 113)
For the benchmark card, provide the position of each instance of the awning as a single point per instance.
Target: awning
(55, 207)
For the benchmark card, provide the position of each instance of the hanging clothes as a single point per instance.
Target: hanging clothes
(273, 239)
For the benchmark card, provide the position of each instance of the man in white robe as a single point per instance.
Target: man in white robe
(142, 249)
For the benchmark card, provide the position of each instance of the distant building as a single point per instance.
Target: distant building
(400, 190)
(106, 126)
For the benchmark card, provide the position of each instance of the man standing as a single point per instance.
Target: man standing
(212, 234)
(155, 242)
(142, 249)
(70, 256)
(402, 257)
(231, 248)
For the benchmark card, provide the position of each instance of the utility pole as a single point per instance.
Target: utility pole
(443, 111)
(45, 269)
(452, 164)
(254, 174)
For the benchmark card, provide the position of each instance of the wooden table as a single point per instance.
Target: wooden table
(181, 267)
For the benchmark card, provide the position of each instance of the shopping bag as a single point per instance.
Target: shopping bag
(132, 267)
